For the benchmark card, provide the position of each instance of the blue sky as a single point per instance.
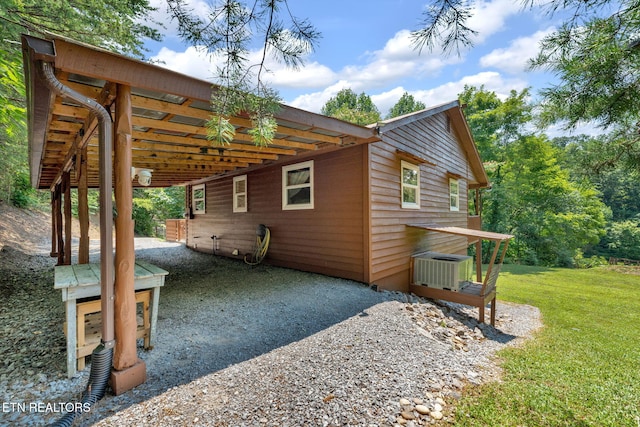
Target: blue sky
(365, 46)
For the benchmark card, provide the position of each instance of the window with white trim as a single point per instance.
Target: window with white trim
(240, 193)
(198, 199)
(410, 187)
(297, 186)
(454, 194)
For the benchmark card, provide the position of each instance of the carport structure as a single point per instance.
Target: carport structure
(94, 115)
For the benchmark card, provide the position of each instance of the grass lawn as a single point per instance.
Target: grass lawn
(582, 368)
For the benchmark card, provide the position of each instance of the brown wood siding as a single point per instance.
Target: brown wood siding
(392, 243)
(328, 239)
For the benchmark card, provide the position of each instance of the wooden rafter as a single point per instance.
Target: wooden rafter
(169, 115)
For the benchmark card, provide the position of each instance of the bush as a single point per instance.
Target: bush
(580, 261)
(22, 194)
(143, 216)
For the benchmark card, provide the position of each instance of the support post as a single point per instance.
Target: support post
(59, 234)
(83, 205)
(66, 182)
(54, 235)
(129, 371)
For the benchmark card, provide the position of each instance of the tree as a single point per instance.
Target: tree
(551, 215)
(348, 106)
(495, 123)
(595, 53)
(112, 24)
(405, 105)
(532, 196)
(229, 30)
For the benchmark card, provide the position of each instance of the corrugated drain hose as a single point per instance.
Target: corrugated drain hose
(101, 360)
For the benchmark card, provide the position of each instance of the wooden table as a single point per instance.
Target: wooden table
(83, 281)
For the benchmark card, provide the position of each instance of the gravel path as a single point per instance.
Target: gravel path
(256, 346)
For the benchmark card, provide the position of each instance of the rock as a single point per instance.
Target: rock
(436, 415)
(422, 409)
(404, 402)
(408, 415)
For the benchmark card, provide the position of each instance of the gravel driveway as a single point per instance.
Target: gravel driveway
(260, 346)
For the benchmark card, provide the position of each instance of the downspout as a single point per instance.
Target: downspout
(102, 356)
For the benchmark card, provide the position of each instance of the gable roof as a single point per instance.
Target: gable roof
(454, 111)
(169, 117)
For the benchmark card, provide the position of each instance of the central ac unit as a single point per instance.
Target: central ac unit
(442, 271)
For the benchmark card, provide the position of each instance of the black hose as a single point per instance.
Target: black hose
(101, 360)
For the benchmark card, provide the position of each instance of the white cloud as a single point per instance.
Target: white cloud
(315, 101)
(489, 17)
(192, 62)
(513, 59)
(162, 15)
(311, 76)
(397, 60)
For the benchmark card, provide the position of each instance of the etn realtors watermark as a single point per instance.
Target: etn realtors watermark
(45, 408)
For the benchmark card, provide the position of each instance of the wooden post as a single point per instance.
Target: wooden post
(66, 180)
(54, 235)
(59, 234)
(132, 370)
(478, 212)
(83, 205)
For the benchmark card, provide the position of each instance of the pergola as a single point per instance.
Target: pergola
(94, 115)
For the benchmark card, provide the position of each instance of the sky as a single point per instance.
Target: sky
(365, 46)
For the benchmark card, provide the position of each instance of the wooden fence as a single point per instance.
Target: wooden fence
(176, 230)
(623, 261)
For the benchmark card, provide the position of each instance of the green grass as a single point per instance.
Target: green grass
(581, 369)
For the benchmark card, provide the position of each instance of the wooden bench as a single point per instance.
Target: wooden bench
(89, 325)
(83, 281)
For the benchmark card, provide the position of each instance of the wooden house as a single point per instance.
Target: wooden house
(345, 213)
(338, 198)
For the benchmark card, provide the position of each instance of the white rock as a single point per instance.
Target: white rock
(422, 409)
(436, 415)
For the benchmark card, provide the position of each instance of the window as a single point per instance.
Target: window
(297, 186)
(197, 199)
(410, 185)
(454, 194)
(240, 193)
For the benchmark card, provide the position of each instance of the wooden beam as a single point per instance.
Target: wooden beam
(100, 64)
(185, 141)
(87, 129)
